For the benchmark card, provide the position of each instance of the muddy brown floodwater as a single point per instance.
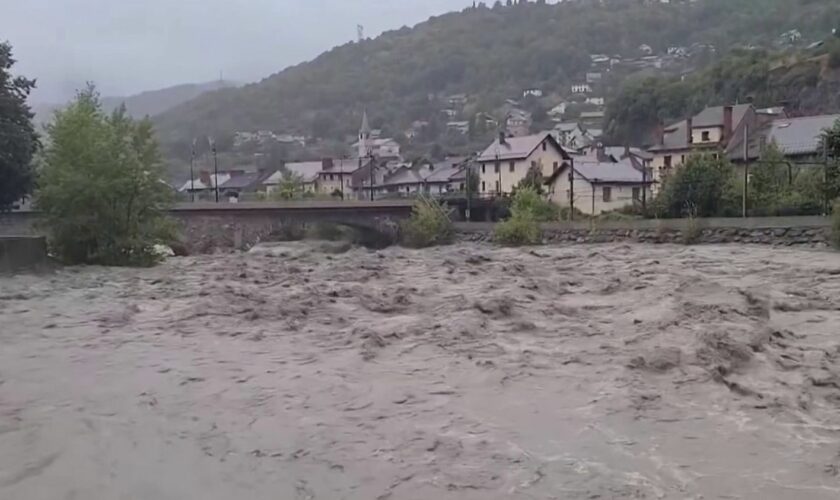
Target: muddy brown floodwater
(467, 372)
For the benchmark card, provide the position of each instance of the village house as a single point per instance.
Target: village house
(532, 92)
(518, 123)
(203, 187)
(447, 176)
(304, 173)
(556, 113)
(507, 161)
(599, 184)
(336, 175)
(710, 131)
(581, 88)
(798, 139)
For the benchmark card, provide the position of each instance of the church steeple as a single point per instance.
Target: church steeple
(364, 137)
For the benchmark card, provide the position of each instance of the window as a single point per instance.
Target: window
(483, 187)
(668, 161)
(545, 146)
(331, 176)
(498, 168)
(705, 136)
(637, 194)
(533, 164)
(682, 159)
(513, 166)
(607, 194)
(556, 166)
(498, 187)
(483, 170)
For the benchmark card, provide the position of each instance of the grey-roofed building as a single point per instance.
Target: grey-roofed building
(600, 185)
(797, 136)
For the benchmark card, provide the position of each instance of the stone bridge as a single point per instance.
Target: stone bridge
(205, 226)
(241, 225)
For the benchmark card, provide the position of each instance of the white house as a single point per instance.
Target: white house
(597, 101)
(599, 185)
(533, 92)
(581, 88)
(508, 159)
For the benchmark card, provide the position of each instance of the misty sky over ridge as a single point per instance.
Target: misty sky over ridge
(127, 46)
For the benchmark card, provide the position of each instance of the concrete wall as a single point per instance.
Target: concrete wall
(21, 253)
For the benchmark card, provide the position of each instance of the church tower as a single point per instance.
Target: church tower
(364, 137)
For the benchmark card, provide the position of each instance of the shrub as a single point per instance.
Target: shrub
(100, 187)
(529, 201)
(521, 229)
(705, 183)
(428, 226)
(835, 225)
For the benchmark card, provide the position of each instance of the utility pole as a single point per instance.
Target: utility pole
(644, 188)
(215, 167)
(469, 193)
(571, 188)
(371, 166)
(746, 170)
(192, 172)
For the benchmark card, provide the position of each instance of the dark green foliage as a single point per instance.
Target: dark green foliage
(835, 225)
(529, 201)
(18, 141)
(528, 209)
(428, 226)
(101, 189)
(702, 187)
(831, 148)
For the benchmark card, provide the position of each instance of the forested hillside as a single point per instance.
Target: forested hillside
(489, 53)
(804, 82)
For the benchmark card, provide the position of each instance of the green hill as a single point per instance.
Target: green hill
(489, 53)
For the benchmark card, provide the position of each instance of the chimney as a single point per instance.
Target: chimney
(204, 177)
(660, 134)
(626, 151)
(727, 124)
(689, 128)
(502, 139)
(327, 164)
(600, 152)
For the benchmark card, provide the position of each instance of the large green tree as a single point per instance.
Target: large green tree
(101, 188)
(704, 186)
(18, 140)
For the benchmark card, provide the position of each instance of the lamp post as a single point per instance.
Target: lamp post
(192, 172)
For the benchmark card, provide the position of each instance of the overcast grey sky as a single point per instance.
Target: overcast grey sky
(127, 46)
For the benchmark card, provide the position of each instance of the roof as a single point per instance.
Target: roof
(307, 170)
(675, 136)
(795, 136)
(403, 175)
(515, 148)
(241, 181)
(342, 166)
(618, 152)
(447, 170)
(365, 125)
(198, 184)
(604, 172)
(592, 114)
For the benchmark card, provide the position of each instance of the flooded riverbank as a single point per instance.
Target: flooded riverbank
(307, 371)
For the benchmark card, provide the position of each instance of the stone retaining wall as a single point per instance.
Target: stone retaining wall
(788, 231)
(22, 253)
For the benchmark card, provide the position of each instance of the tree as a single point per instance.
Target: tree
(289, 188)
(101, 189)
(18, 140)
(831, 146)
(771, 181)
(703, 187)
(533, 179)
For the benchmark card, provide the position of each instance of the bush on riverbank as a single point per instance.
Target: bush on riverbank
(835, 225)
(528, 209)
(428, 226)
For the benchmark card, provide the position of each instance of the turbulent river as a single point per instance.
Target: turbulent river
(309, 371)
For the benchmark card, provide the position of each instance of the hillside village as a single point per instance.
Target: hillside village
(575, 167)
